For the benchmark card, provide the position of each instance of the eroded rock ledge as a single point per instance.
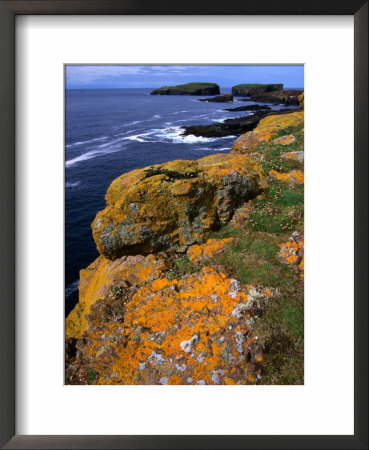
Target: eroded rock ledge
(173, 205)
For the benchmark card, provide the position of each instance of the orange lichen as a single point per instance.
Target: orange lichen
(294, 177)
(292, 252)
(173, 205)
(99, 276)
(285, 140)
(266, 130)
(295, 156)
(197, 253)
(194, 330)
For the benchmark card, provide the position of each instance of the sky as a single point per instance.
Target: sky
(129, 76)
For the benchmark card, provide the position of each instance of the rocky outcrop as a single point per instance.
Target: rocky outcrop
(173, 205)
(219, 99)
(195, 330)
(231, 127)
(287, 97)
(149, 313)
(99, 277)
(292, 253)
(293, 177)
(300, 98)
(188, 89)
(248, 89)
(250, 108)
(202, 252)
(267, 130)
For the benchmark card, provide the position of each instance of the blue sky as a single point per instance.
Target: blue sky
(129, 76)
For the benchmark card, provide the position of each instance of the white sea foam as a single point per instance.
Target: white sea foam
(71, 288)
(76, 144)
(94, 153)
(72, 185)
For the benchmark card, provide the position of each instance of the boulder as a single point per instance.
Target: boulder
(219, 99)
(173, 205)
(188, 89)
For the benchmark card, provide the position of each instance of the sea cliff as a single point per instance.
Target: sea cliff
(200, 273)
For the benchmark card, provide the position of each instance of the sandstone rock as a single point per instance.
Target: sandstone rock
(173, 205)
(188, 89)
(202, 252)
(219, 99)
(195, 330)
(96, 280)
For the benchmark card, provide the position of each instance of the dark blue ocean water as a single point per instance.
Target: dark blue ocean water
(112, 131)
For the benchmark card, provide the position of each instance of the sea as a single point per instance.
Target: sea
(109, 132)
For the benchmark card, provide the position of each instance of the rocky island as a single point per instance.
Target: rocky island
(218, 99)
(200, 274)
(188, 89)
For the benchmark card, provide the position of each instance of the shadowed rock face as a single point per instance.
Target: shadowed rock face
(255, 89)
(250, 108)
(173, 205)
(231, 127)
(219, 99)
(188, 89)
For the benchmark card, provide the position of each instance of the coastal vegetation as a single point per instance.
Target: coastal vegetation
(200, 274)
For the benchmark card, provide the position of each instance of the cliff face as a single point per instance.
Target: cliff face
(245, 89)
(173, 205)
(188, 89)
(164, 304)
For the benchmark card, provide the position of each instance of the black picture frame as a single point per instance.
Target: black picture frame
(8, 12)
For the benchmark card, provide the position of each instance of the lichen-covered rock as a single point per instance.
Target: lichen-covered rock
(241, 216)
(301, 100)
(285, 140)
(293, 177)
(96, 280)
(266, 130)
(202, 252)
(195, 330)
(296, 156)
(173, 205)
(292, 253)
